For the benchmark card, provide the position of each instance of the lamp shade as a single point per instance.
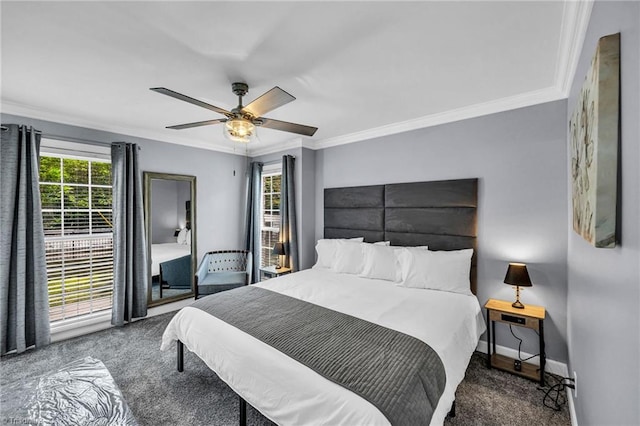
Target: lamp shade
(278, 249)
(517, 275)
(239, 130)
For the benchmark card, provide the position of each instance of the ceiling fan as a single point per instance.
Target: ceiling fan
(241, 122)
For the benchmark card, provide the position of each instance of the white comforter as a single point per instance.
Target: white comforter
(166, 251)
(289, 393)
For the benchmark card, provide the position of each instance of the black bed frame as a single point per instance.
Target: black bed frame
(439, 214)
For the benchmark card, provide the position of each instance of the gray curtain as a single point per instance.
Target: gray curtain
(130, 271)
(24, 297)
(252, 225)
(288, 222)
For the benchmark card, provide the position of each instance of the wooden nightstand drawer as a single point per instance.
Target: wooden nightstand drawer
(519, 320)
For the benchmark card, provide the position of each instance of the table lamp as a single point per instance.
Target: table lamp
(518, 276)
(278, 250)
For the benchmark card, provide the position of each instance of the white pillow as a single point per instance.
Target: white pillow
(349, 258)
(381, 263)
(326, 250)
(382, 243)
(182, 236)
(187, 240)
(436, 270)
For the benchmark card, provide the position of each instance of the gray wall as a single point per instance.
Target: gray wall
(604, 284)
(520, 158)
(168, 208)
(220, 190)
(220, 178)
(164, 214)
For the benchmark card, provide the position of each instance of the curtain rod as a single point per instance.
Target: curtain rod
(64, 137)
(68, 138)
(5, 128)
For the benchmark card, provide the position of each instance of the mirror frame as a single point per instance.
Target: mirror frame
(148, 177)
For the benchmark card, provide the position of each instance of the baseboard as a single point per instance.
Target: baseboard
(552, 366)
(169, 307)
(572, 409)
(86, 324)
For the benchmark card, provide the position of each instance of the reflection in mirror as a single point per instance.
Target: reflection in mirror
(169, 213)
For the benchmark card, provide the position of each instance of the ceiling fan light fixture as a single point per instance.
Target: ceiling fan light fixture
(239, 130)
(240, 124)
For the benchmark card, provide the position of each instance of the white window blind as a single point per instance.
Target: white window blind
(76, 210)
(270, 227)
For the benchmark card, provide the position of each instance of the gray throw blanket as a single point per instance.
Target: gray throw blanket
(399, 374)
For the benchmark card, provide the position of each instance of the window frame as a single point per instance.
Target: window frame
(269, 170)
(93, 154)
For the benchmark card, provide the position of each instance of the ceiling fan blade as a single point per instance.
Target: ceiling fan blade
(269, 101)
(189, 99)
(197, 124)
(285, 126)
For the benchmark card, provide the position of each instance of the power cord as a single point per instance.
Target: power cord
(555, 397)
(520, 345)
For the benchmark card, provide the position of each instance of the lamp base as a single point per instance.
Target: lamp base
(278, 266)
(517, 304)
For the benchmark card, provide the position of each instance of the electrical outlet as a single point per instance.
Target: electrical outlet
(575, 385)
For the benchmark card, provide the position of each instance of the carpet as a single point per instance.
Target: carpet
(159, 395)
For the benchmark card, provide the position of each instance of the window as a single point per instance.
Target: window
(76, 212)
(270, 229)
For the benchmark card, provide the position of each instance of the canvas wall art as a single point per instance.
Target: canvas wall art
(594, 138)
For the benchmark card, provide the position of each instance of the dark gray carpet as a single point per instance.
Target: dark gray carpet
(166, 292)
(159, 395)
(493, 397)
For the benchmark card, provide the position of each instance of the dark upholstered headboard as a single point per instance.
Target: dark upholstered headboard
(438, 214)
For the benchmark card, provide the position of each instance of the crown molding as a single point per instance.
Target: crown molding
(575, 21)
(499, 105)
(491, 107)
(283, 146)
(274, 148)
(42, 114)
(308, 143)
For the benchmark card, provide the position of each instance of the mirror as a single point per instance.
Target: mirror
(169, 204)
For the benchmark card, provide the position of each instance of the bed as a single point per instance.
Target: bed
(439, 214)
(171, 263)
(165, 252)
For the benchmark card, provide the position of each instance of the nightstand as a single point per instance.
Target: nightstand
(272, 272)
(530, 317)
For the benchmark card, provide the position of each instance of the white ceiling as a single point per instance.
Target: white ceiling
(357, 69)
